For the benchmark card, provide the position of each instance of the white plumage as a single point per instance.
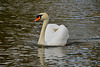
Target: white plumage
(58, 37)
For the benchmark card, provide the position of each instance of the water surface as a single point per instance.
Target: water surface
(19, 33)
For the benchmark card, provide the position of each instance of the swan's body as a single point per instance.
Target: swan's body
(52, 34)
(56, 35)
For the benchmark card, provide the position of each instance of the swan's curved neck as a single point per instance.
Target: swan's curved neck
(42, 34)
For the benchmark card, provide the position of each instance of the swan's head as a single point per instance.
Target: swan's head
(42, 16)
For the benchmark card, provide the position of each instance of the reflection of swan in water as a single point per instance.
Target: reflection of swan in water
(41, 55)
(52, 55)
(52, 34)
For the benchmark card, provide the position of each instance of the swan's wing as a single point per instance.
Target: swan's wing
(50, 31)
(59, 38)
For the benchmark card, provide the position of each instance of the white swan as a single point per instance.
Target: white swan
(52, 34)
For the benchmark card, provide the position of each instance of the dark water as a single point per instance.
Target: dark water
(19, 33)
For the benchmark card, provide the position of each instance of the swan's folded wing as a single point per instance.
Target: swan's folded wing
(59, 37)
(50, 31)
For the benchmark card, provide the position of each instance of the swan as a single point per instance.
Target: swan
(52, 34)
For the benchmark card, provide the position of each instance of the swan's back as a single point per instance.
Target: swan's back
(56, 35)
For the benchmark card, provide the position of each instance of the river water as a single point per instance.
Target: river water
(19, 33)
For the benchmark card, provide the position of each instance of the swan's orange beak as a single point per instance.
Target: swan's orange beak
(37, 19)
